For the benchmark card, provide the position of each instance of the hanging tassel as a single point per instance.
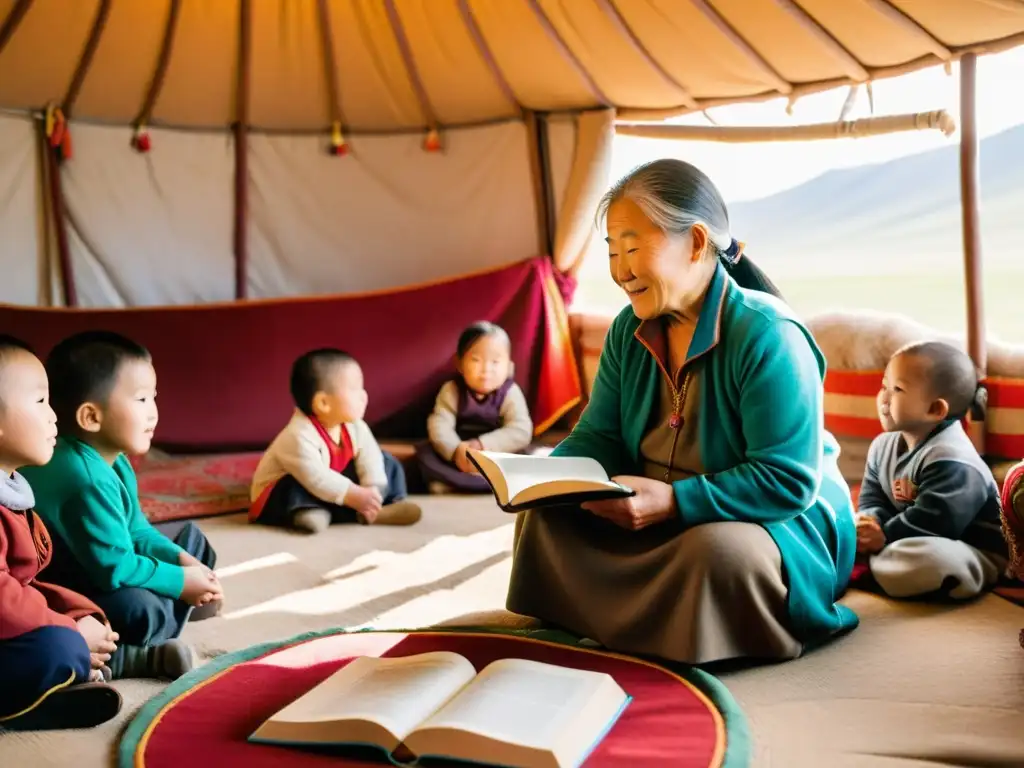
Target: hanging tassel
(141, 142)
(65, 145)
(339, 147)
(871, 97)
(432, 142)
(55, 126)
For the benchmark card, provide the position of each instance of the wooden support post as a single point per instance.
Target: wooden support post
(242, 151)
(543, 194)
(970, 211)
(972, 222)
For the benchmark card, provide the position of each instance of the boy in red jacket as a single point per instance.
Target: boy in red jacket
(54, 643)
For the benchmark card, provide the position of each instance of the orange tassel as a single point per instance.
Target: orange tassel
(432, 143)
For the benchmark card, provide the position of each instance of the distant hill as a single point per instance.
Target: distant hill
(898, 216)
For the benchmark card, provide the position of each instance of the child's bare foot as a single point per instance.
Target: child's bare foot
(399, 513)
(438, 489)
(312, 520)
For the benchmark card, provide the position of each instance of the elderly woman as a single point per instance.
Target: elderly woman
(708, 403)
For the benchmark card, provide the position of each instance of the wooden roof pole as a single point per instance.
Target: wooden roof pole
(970, 211)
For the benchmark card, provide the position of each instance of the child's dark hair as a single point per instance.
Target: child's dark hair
(83, 368)
(477, 331)
(10, 344)
(309, 372)
(953, 377)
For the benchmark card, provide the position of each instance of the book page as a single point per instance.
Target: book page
(522, 472)
(398, 693)
(520, 702)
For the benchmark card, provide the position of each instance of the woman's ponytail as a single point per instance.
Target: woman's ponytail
(745, 272)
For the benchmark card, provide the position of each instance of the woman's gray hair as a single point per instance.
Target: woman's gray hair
(675, 195)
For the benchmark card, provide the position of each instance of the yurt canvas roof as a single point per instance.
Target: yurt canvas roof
(392, 65)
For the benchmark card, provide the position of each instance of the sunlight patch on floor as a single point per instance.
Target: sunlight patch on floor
(381, 573)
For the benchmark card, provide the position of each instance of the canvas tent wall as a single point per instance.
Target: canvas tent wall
(240, 102)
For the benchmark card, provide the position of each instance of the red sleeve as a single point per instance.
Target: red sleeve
(68, 603)
(23, 607)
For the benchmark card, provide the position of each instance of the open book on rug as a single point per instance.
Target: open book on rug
(528, 482)
(515, 712)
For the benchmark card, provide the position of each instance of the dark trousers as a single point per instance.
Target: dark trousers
(37, 662)
(290, 496)
(140, 616)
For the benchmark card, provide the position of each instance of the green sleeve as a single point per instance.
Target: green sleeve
(781, 408)
(148, 540)
(95, 530)
(598, 433)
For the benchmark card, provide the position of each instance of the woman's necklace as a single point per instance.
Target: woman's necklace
(675, 420)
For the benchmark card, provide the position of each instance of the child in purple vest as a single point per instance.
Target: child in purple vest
(482, 408)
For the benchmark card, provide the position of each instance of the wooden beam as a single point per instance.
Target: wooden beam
(13, 20)
(156, 84)
(242, 150)
(910, 25)
(85, 60)
(613, 13)
(853, 68)
(773, 78)
(567, 53)
(397, 28)
(473, 27)
(970, 214)
(330, 62)
(844, 129)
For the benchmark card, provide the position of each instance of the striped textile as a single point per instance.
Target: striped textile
(850, 410)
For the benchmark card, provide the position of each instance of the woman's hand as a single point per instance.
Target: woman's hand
(654, 503)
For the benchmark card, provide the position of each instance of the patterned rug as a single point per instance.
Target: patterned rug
(679, 717)
(185, 487)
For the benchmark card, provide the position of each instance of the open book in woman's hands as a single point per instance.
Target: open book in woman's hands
(528, 482)
(515, 712)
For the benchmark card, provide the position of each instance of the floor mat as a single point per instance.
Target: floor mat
(185, 487)
(681, 717)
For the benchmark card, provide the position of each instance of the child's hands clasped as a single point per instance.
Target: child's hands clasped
(102, 642)
(870, 536)
(366, 501)
(201, 586)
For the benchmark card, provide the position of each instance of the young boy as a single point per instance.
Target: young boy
(103, 391)
(53, 642)
(929, 506)
(325, 466)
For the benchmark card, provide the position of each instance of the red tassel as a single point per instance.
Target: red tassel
(432, 143)
(141, 142)
(339, 147)
(65, 145)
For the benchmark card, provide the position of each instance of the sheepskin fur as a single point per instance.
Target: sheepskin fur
(864, 341)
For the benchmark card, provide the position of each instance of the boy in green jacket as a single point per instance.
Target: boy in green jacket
(103, 389)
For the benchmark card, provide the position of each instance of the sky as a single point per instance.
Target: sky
(782, 165)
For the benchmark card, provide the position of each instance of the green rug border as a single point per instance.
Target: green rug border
(737, 731)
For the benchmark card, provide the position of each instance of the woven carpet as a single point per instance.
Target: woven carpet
(681, 717)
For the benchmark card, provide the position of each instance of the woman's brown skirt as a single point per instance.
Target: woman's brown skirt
(708, 593)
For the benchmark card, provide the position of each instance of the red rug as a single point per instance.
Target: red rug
(184, 487)
(684, 718)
